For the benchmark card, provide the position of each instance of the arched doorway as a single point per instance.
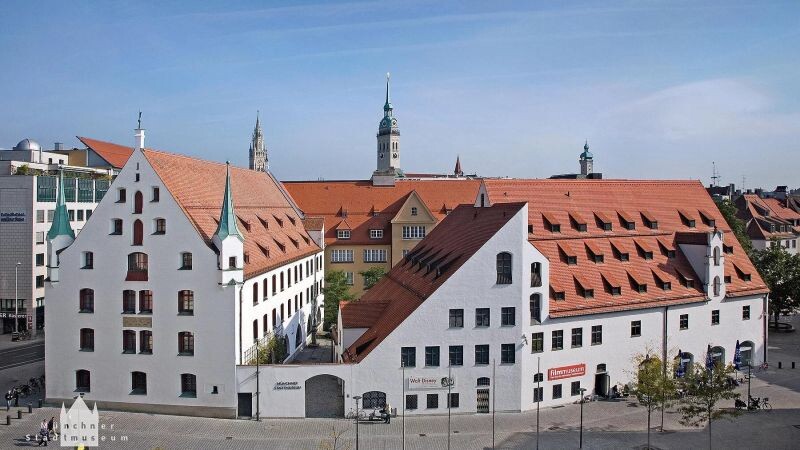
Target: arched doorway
(373, 400)
(602, 381)
(746, 351)
(324, 396)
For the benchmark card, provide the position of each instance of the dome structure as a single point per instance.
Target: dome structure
(28, 144)
(586, 153)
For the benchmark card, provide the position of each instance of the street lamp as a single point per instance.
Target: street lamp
(356, 398)
(580, 442)
(16, 297)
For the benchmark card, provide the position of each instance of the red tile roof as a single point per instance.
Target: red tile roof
(373, 207)
(661, 201)
(273, 232)
(762, 213)
(115, 155)
(420, 274)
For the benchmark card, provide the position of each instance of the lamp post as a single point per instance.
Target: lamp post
(580, 442)
(258, 392)
(16, 297)
(494, 383)
(538, 386)
(403, 417)
(356, 398)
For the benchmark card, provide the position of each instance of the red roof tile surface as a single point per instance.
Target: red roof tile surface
(660, 201)
(369, 207)
(761, 214)
(273, 232)
(420, 274)
(115, 155)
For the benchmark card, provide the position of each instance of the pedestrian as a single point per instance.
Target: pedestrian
(387, 418)
(43, 433)
(8, 399)
(16, 397)
(50, 430)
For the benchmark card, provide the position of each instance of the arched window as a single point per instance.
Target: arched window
(716, 256)
(129, 301)
(188, 385)
(483, 381)
(138, 383)
(83, 381)
(138, 232)
(128, 341)
(86, 301)
(255, 293)
(718, 355)
(274, 285)
(289, 277)
(373, 400)
(746, 351)
(274, 318)
(87, 340)
(536, 308)
(504, 268)
(186, 261)
(717, 286)
(186, 303)
(146, 342)
(186, 342)
(264, 289)
(137, 267)
(145, 302)
(282, 286)
(265, 324)
(138, 200)
(536, 274)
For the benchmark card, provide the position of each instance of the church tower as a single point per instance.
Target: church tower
(586, 160)
(258, 150)
(388, 140)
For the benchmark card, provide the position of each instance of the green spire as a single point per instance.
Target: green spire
(388, 105)
(60, 225)
(227, 217)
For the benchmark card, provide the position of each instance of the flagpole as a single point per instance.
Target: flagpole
(403, 418)
(494, 383)
(449, 387)
(538, 382)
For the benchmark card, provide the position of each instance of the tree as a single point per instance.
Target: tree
(336, 440)
(738, 226)
(22, 170)
(336, 290)
(705, 389)
(271, 352)
(651, 387)
(781, 271)
(372, 276)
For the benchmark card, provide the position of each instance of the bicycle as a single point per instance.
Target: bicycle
(759, 403)
(763, 367)
(352, 415)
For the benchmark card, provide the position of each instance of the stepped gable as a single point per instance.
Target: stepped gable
(634, 253)
(273, 232)
(410, 282)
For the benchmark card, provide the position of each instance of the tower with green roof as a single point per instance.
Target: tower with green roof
(60, 235)
(388, 138)
(228, 239)
(586, 160)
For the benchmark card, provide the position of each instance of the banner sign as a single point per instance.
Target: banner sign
(430, 382)
(558, 373)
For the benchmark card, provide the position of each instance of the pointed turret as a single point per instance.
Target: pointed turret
(60, 235)
(388, 166)
(458, 172)
(258, 150)
(387, 107)
(228, 239)
(586, 160)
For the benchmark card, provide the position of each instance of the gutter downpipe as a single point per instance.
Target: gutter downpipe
(664, 360)
(765, 314)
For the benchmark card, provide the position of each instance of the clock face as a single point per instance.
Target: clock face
(394, 122)
(394, 155)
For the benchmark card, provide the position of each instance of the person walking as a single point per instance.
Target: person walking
(50, 430)
(43, 434)
(387, 418)
(8, 399)
(16, 397)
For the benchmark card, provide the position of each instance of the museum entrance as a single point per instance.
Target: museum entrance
(601, 381)
(324, 397)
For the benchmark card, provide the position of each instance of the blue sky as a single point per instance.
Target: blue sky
(660, 89)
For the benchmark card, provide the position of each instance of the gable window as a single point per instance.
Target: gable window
(456, 318)
(88, 260)
(138, 383)
(129, 301)
(145, 302)
(188, 385)
(414, 211)
(116, 226)
(715, 317)
(746, 312)
(481, 354)
(408, 357)
(684, 322)
(138, 232)
(413, 232)
(636, 328)
(138, 199)
(186, 343)
(342, 234)
(156, 194)
(146, 342)
(121, 195)
(536, 274)
(186, 263)
(508, 316)
(507, 354)
(82, 381)
(87, 340)
(160, 226)
(504, 268)
(432, 356)
(537, 342)
(375, 234)
(128, 341)
(456, 355)
(186, 303)
(86, 300)
(482, 317)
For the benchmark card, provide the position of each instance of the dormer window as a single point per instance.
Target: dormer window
(686, 280)
(343, 234)
(551, 223)
(557, 293)
(649, 220)
(577, 221)
(572, 260)
(637, 284)
(644, 250)
(728, 279)
(742, 274)
(708, 219)
(619, 252)
(626, 221)
(376, 234)
(603, 222)
(687, 218)
(568, 254)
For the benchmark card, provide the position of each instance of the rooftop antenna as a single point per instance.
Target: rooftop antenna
(140, 121)
(715, 176)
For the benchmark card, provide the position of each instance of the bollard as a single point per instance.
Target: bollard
(792, 364)
(30, 408)
(40, 403)
(780, 364)
(19, 414)
(8, 420)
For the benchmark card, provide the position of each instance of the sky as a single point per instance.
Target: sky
(661, 89)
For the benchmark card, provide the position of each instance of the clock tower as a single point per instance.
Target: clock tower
(388, 140)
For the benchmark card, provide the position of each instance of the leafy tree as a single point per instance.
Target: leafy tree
(781, 271)
(372, 276)
(336, 290)
(652, 388)
(738, 226)
(23, 170)
(271, 352)
(705, 389)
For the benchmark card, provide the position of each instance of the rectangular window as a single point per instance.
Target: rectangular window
(577, 337)
(375, 234)
(715, 317)
(558, 340)
(482, 317)
(349, 278)
(40, 281)
(85, 190)
(537, 342)
(481, 354)
(456, 318)
(746, 312)
(122, 194)
(145, 302)
(46, 188)
(50, 214)
(556, 391)
(156, 194)
(116, 226)
(40, 237)
(39, 259)
(71, 215)
(374, 255)
(575, 388)
(452, 400)
(408, 356)
(507, 354)
(636, 328)
(411, 401)
(413, 232)
(128, 341)
(432, 401)
(538, 394)
(146, 341)
(339, 256)
(342, 234)
(39, 216)
(597, 334)
(80, 215)
(432, 356)
(684, 321)
(88, 260)
(456, 355)
(508, 316)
